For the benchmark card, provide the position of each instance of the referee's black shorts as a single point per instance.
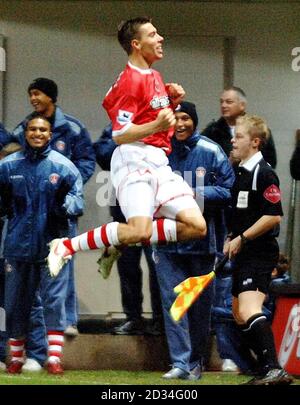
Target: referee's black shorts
(253, 272)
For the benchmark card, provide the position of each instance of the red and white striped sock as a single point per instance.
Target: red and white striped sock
(104, 236)
(164, 231)
(55, 345)
(17, 349)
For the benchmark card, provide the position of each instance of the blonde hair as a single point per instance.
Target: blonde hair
(256, 127)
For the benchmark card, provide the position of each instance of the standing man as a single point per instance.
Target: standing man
(39, 189)
(254, 226)
(211, 176)
(140, 107)
(71, 139)
(233, 103)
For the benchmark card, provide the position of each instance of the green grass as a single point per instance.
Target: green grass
(108, 377)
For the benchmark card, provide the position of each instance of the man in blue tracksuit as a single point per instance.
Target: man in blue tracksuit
(208, 171)
(70, 138)
(40, 191)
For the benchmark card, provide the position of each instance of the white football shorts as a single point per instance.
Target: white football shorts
(146, 185)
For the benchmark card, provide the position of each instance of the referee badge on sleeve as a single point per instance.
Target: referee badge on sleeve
(242, 201)
(272, 194)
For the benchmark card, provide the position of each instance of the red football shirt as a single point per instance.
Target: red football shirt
(136, 98)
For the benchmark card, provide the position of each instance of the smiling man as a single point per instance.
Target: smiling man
(38, 133)
(40, 190)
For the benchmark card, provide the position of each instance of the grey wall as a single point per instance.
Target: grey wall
(74, 43)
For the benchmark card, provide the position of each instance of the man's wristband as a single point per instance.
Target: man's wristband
(244, 239)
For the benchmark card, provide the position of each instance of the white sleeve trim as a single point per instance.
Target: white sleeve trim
(122, 130)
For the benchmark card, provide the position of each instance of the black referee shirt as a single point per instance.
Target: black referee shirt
(255, 193)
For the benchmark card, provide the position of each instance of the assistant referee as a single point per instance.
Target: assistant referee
(252, 244)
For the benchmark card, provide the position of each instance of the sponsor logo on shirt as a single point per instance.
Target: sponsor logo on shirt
(53, 178)
(124, 117)
(159, 102)
(272, 194)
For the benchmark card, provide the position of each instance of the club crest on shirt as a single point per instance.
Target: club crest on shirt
(200, 171)
(272, 194)
(53, 178)
(60, 145)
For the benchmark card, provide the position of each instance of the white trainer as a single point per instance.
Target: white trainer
(32, 366)
(107, 259)
(229, 365)
(2, 366)
(71, 331)
(58, 256)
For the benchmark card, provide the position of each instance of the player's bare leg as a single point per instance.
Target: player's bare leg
(190, 224)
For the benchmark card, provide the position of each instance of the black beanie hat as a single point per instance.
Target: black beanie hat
(190, 109)
(47, 86)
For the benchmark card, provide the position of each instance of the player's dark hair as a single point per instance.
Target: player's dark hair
(129, 30)
(36, 115)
